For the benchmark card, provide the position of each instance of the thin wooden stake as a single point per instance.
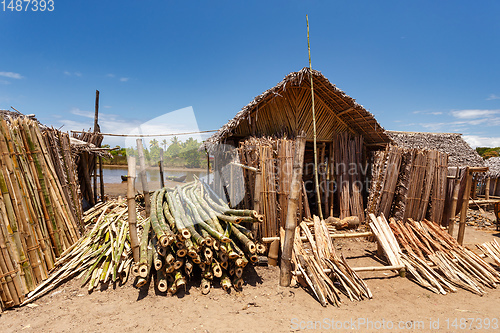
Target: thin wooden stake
(132, 217)
(162, 181)
(318, 196)
(144, 179)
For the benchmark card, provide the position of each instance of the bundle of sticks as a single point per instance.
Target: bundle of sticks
(102, 256)
(37, 221)
(192, 230)
(437, 262)
(491, 250)
(327, 274)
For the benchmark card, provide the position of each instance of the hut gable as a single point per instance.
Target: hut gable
(493, 164)
(286, 109)
(459, 152)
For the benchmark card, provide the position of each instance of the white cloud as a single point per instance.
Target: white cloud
(11, 75)
(110, 75)
(471, 114)
(481, 141)
(82, 113)
(4, 82)
(72, 73)
(107, 106)
(434, 113)
(492, 97)
(124, 79)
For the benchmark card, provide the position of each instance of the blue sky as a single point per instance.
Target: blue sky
(417, 66)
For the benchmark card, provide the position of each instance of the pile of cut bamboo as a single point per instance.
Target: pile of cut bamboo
(102, 256)
(326, 274)
(492, 250)
(409, 183)
(437, 262)
(38, 212)
(192, 231)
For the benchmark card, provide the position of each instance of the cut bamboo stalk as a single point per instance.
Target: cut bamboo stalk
(291, 222)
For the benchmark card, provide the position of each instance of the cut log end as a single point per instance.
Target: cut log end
(205, 286)
(162, 286)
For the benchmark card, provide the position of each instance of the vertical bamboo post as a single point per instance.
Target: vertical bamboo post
(291, 218)
(256, 199)
(453, 206)
(318, 195)
(162, 181)
(96, 129)
(101, 179)
(487, 189)
(465, 207)
(132, 218)
(208, 166)
(144, 179)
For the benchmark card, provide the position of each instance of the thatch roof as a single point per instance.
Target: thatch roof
(286, 108)
(6, 114)
(459, 152)
(493, 163)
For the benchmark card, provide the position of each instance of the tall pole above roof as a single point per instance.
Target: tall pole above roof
(318, 197)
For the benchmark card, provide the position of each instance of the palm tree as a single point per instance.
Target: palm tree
(164, 144)
(153, 143)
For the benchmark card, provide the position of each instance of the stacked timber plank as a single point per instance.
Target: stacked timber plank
(437, 262)
(322, 270)
(102, 256)
(194, 232)
(409, 183)
(38, 215)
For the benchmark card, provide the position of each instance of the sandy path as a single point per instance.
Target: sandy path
(262, 306)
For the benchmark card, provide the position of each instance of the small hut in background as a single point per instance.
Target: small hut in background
(461, 157)
(492, 183)
(263, 134)
(460, 153)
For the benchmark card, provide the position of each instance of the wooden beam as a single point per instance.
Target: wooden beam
(465, 207)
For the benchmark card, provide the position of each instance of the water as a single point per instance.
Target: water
(113, 174)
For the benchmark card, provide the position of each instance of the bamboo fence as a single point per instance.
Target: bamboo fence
(39, 216)
(409, 183)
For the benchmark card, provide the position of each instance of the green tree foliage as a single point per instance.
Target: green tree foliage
(486, 152)
(178, 154)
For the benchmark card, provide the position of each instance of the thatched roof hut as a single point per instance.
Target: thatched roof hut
(459, 152)
(286, 109)
(493, 163)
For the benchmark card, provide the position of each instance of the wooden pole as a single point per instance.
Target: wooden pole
(101, 179)
(96, 130)
(132, 218)
(318, 196)
(487, 189)
(465, 207)
(162, 181)
(453, 206)
(291, 216)
(208, 166)
(144, 179)
(96, 116)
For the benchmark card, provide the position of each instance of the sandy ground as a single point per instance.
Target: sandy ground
(262, 305)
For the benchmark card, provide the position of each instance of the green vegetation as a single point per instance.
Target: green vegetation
(178, 154)
(486, 152)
